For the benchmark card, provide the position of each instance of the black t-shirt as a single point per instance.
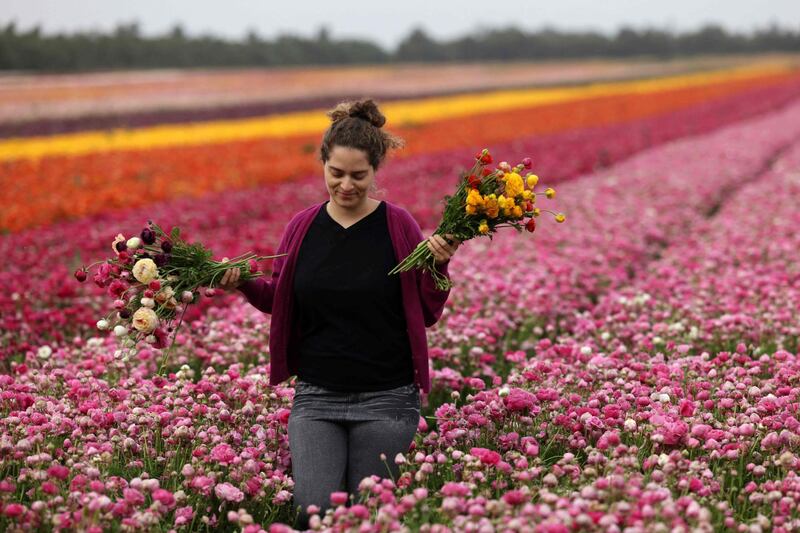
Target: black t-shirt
(353, 333)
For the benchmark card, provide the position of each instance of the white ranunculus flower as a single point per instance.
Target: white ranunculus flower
(44, 352)
(148, 302)
(145, 270)
(145, 320)
(119, 331)
(102, 325)
(133, 243)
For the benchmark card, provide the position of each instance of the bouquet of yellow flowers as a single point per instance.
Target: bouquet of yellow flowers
(153, 277)
(485, 200)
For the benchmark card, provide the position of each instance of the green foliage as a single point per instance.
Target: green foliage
(126, 48)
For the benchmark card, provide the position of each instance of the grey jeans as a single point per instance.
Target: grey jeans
(336, 439)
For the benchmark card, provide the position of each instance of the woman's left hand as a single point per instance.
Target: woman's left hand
(441, 250)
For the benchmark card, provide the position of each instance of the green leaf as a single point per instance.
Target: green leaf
(175, 234)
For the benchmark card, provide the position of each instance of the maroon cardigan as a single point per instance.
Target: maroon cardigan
(422, 301)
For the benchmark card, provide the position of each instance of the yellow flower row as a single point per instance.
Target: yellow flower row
(401, 112)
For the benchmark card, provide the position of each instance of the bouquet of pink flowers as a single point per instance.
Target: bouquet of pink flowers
(152, 278)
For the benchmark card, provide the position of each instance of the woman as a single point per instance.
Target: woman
(353, 335)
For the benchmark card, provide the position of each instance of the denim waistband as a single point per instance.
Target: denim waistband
(314, 401)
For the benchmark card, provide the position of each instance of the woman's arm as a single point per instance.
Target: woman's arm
(431, 298)
(260, 291)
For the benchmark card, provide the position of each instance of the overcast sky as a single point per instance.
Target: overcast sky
(386, 22)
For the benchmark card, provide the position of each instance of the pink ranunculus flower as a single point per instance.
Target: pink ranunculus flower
(519, 400)
(226, 491)
(14, 510)
(223, 454)
(164, 497)
(453, 488)
(515, 497)
(338, 498)
(202, 484)
(487, 457)
(133, 497)
(687, 407)
(183, 515)
(58, 471)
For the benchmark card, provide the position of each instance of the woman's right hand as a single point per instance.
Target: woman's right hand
(230, 279)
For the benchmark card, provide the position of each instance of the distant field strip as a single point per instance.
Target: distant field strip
(399, 113)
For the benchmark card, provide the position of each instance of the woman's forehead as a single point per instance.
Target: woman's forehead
(347, 158)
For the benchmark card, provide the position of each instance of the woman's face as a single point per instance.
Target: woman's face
(348, 177)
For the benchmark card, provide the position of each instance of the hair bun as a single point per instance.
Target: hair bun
(365, 109)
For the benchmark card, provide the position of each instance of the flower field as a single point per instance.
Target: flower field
(93, 170)
(634, 369)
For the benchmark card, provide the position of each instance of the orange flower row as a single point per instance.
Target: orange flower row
(37, 192)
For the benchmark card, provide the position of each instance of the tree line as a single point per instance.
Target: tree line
(125, 47)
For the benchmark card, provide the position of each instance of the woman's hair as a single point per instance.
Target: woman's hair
(357, 124)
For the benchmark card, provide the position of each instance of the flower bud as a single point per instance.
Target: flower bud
(148, 236)
(155, 285)
(119, 331)
(161, 259)
(187, 297)
(80, 275)
(166, 246)
(134, 243)
(527, 163)
(102, 325)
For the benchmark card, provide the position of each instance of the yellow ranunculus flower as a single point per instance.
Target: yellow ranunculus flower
(560, 217)
(492, 208)
(514, 185)
(517, 211)
(471, 209)
(526, 195)
(537, 211)
(483, 228)
(550, 192)
(474, 198)
(533, 179)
